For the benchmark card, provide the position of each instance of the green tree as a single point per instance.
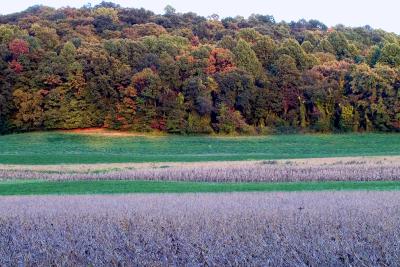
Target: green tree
(307, 46)
(231, 121)
(390, 55)
(249, 35)
(246, 59)
(293, 49)
(29, 115)
(147, 84)
(340, 45)
(265, 50)
(348, 119)
(169, 10)
(176, 119)
(198, 125)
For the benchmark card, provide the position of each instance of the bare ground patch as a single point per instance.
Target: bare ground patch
(108, 133)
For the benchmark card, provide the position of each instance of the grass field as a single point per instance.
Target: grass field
(67, 148)
(23, 187)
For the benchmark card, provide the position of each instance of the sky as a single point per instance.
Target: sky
(383, 14)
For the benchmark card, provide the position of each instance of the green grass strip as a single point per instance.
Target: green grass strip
(58, 148)
(39, 187)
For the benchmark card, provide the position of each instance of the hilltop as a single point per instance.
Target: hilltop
(130, 69)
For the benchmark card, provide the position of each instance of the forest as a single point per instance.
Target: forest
(133, 70)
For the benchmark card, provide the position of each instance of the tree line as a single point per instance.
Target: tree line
(130, 69)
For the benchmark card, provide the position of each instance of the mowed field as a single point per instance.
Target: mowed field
(70, 148)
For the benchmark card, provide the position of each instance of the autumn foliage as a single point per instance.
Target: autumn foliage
(16, 66)
(18, 47)
(131, 69)
(220, 60)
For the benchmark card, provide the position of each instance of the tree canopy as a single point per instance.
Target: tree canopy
(130, 69)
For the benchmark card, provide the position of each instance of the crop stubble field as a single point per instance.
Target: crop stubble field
(323, 169)
(269, 229)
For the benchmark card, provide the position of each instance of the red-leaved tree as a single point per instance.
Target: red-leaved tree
(16, 66)
(18, 47)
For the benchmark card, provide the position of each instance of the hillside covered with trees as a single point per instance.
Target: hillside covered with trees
(130, 69)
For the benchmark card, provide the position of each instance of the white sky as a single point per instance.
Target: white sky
(382, 14)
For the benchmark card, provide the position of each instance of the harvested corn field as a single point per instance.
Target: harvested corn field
(329, 169)
(275, 229)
